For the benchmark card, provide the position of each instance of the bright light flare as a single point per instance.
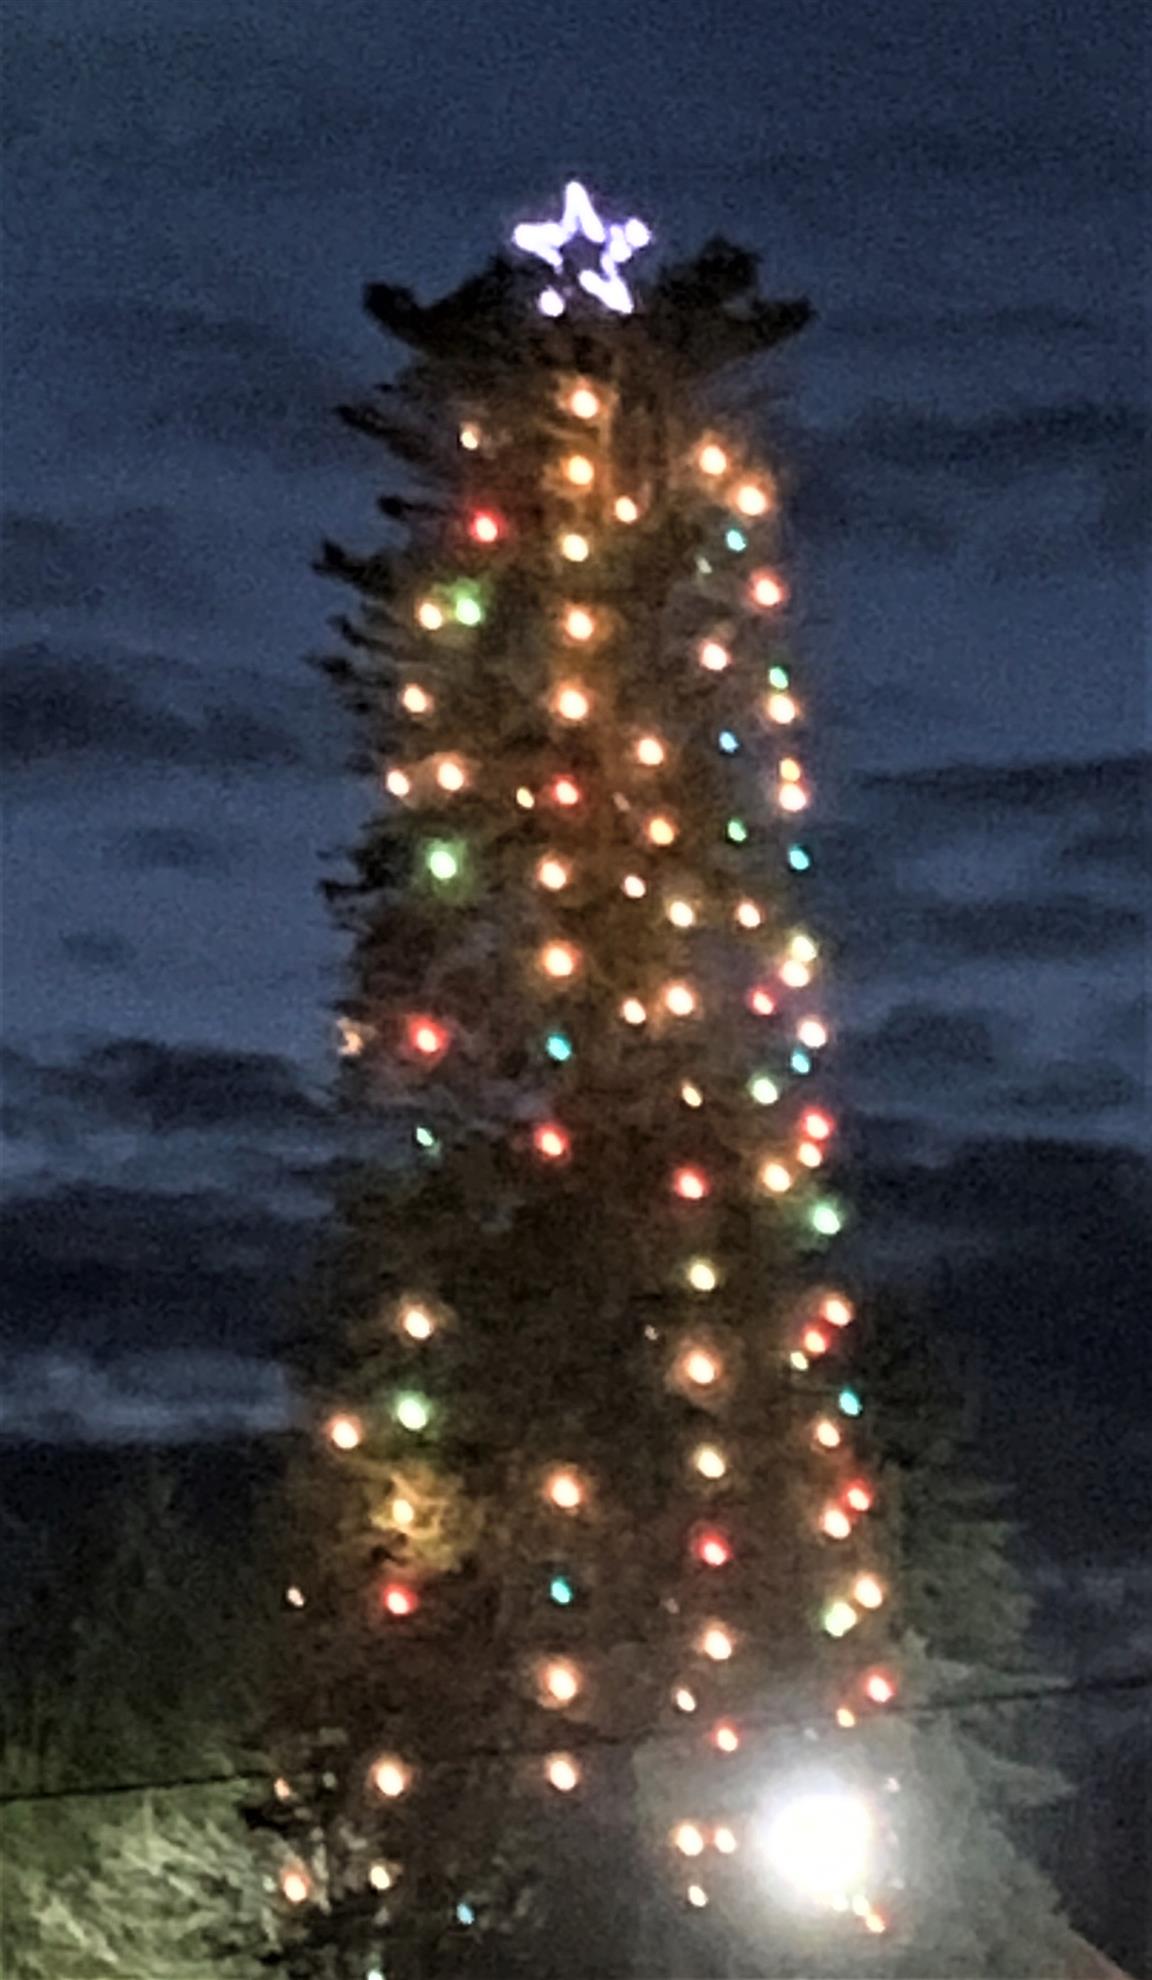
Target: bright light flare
(820, 1843)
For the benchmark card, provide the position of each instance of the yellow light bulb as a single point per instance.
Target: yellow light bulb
(344, 1433)
(792, 797)
(716, 1643)
(776, 1178)
(571, 704)
(795, 974)
(688, 1839)
(868, 1592)
(560, 1680)
(391, 1778)
(416, 700)
(429, 615)
(767, 590)
(562, 1772)
(827, 1435)
(579, 624)
(804, 948)
(751, 499)
(710, 1461)
(812, 1033)
(470, 436)
(810, 1154)
(835, 1523)
(781, 708)
(702, 1275)
(701, 1368)
(697, 1896)
(574, 547)
(397, 783)
(451, 774)
(680, 999)
(296, 1886)
(650, 752)
(691, 1095)
(724, 1839)
(553, 873)
(559, 960)
(662, 830)
(525, 799)
(625, 509)
(417, 1322)
(381, 1877)
(402, 1512)
(790, 770)
(683, 1699)
(579, 470)
(633, 1011)
(748, 915)
(713, 656)
(634, 886)
(582, 402)
(845, 1716)
(565, 1489)
(681, 914)
(712, 460)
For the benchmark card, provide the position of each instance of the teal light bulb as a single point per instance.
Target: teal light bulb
(424, 1138)
(779, 677)
(736, 831)
(558, 1047)
(735, 539)
(849, 1402)
(465, 1915)
(800, 1062)
(798, 859)
(560, 1590)
(728, 742)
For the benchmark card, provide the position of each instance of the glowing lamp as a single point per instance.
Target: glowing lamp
(553, 873)
(575, 547)
(761, 1001)
(702, 1275)
(826, 1435)
(559, 960)
(344, 1433)
(700, 1368)
(835, 1523)
(763, 1090)
(712, 1549)
(819, 1843)
(633, 1011)
(582, 402)
(683, 1699)
(485, 527)
(868, 1591)
(415, 700)
(426, 1037)
(748, 915)
(810, 1154)
(412, 1412)
(578, 469)
(725, 1737)
(398, 784)
(565, 791)
(416, 1321)
(780, 708)
(825, 1219)
(470, 436)
(397, 1600)
(565, 1490)
(634, 887)
(688, 1839)
(451, 774)
(710, 1462)
(697, 1896)
(681, 914)
(561, 1772)
(812, 1033)
(680, 999)
(282, 1789)
(839, 1618)
(875, 1921)
(295, 1886)
(391, 1777)
(838, 1311)
(571, 704)
(429, 615)
(551, 1142)
(724, 1839)
(662, 830)
(792, 797)
(712, 460)
(751, 499)
(650, 752)
(815, 1342)
(879, 1688)
(794, 973)
(560, 1681)
(691, 1185)
(713, 657)
(859, 1497)
(817, 1126)
(715, 1642)
(550, 302)
(775, 1178)
(579, 624)
(625, 509)
(767, 590)
(691, 1094)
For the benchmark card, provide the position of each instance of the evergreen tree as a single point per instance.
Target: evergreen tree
(593, 1624)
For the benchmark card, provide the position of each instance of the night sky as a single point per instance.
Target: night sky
(195, 197)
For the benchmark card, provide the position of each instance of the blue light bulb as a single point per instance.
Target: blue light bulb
(465, 1915)
(798, 859)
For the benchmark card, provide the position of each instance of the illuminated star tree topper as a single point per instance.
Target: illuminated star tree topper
(584, 251)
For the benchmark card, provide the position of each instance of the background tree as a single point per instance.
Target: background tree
(593, 1629)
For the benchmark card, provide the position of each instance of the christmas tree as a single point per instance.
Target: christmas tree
(593, 1621)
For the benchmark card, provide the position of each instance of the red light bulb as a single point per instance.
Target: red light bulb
(398, 1600)
(691, 1184)
(712, 1549)
(860, 1497)
(485, 527)
(817, 1126)
(427, 1037)
(814, 1342)
(761, 1001)
(565, 791)
(879, 1688)
(551, 1141)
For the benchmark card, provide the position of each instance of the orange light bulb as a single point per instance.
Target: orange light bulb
(485, 527)
(751, 499)
(451, 774)
(814, 1342)
(633, 1011)
(578, 469)
(712, 1549)
(835, 1523)
(391, 1778)
(817, 1126)
(700, 1368)
(582, 402)
(748, 915)
(344, 1433)
(792, 797)
(398, 1600)
(565, 791)
(879, 1688)
(551, 1141)
(579, 624)
(562, 1772)
(826, 1435)
(810, 1154)
(795, 974)
(761, 1001)
(559, 960)
(725, 1737)
(775, 1178)
(714, 657)
(565, 1489)
(625, 509)
(767, 590)
(650, 752)
(416, 700)
(398, 783)
(680, 999)
(868, 1591)
(427, 1037)
(716, 1643)
(688, 1839)
(860, 1497)
(295, 1886)
(560, 1681)
(634, 886)
(711, 459)
(781, 708)
(572, 704)
(417, 1322)
(553, 872)
(839, 1312)
(429, 615)
(812, 1033)
(662, 830)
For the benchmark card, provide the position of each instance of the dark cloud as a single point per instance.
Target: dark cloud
(175, 848)
(1029, 322)
(1002, 446)
(1023, 929)
(158, 1397)
(107, 713)
(165, 1089)
(56, 563)
(921, 1046)
(1127, 853)
(97, 948)
(1083, 1089)
(1112, 785)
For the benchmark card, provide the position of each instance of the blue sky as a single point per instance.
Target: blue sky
(195, 200)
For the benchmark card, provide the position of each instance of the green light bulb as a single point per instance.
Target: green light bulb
(825, 1218)
(466, 605)
(442, 861)
(737, 831)
(764, 1091)
(425, 1138)
(778, 677)
(412, 1412)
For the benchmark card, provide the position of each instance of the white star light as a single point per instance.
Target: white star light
(617, 242)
